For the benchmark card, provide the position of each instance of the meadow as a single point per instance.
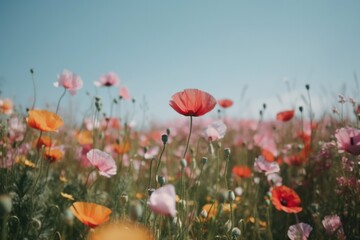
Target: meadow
(291, 177)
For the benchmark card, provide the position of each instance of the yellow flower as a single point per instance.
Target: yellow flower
(67, 196)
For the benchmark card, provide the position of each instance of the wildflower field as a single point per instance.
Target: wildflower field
(200, 176)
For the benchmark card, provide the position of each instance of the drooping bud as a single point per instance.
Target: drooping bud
(204, 160)
(183, 163)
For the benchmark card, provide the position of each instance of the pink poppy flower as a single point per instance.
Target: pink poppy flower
(300, 231)
(107, 80)
(215, 131)
(69, 81)
(332, 224)
(124, 93)
(103, 162)
(348, 140)
(261, 165)
(149, 153)
(163, 201)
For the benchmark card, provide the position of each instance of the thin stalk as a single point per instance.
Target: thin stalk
(61, 97)
(188, 139)
(159, 161)
(34, 87)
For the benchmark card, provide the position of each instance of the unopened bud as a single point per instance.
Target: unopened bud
(300, 108)
(164, 138)
(161, 180)
(204, 160)
(307, 86)
(203, 213)
(168, 131)
(227, 152)
(235, 233)
(231, 196)
(124, 198)
(183, 163)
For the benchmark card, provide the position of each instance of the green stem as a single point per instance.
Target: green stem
(159, 161)
(188, 139)
(58, 105)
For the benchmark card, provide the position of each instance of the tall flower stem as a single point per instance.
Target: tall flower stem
(34, 87)
(159, 161)
(188, 139)
(61, 97)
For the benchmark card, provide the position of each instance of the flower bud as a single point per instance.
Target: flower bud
(164, 138)
(124, 198)
(231, 196)
(183, 163)
(227, 152)
(204, 160)
(168, 131)
(161, 180)
(235, 233)
(307, 86)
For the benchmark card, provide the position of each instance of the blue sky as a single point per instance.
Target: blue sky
(163, 46)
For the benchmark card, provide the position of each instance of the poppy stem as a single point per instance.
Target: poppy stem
(159, 161)
(58, 105)
(34, 87)
(188, 140)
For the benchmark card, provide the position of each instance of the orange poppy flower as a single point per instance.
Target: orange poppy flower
(90, 214)
(121, 148)
(44, 120)
(242, 171)
(6, 106)
(84, 137)
(285, 199)
(285, 115)
(43, 140)
(52, 154)
(192, 102)
(121, 231)
(225, 103)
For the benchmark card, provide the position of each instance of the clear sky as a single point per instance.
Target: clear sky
(160, 47)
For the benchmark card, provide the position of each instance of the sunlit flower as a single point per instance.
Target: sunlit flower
(192, 102)
(348, 140)
(124, 93)
(332, 224)
(103, 162)
(285, 199)
(261, 165)
(44, 120)
(53, 154)
(215, 131)
(107, 80)
(120, 231)
(162, 201)
(300, 231)
(69, 81)
(225, 103)
(242, 171)
(121, 148)
(84, 137)
(6, 106)
(45, 141)
(285, 115)
(90, 214)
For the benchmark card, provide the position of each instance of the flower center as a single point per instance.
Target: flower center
(352, 140)
(283, 202)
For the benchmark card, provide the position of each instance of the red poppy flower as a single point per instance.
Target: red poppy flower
(241, 171)
(285, 199)
(285, 115)
(225, 103)
(192, 102)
